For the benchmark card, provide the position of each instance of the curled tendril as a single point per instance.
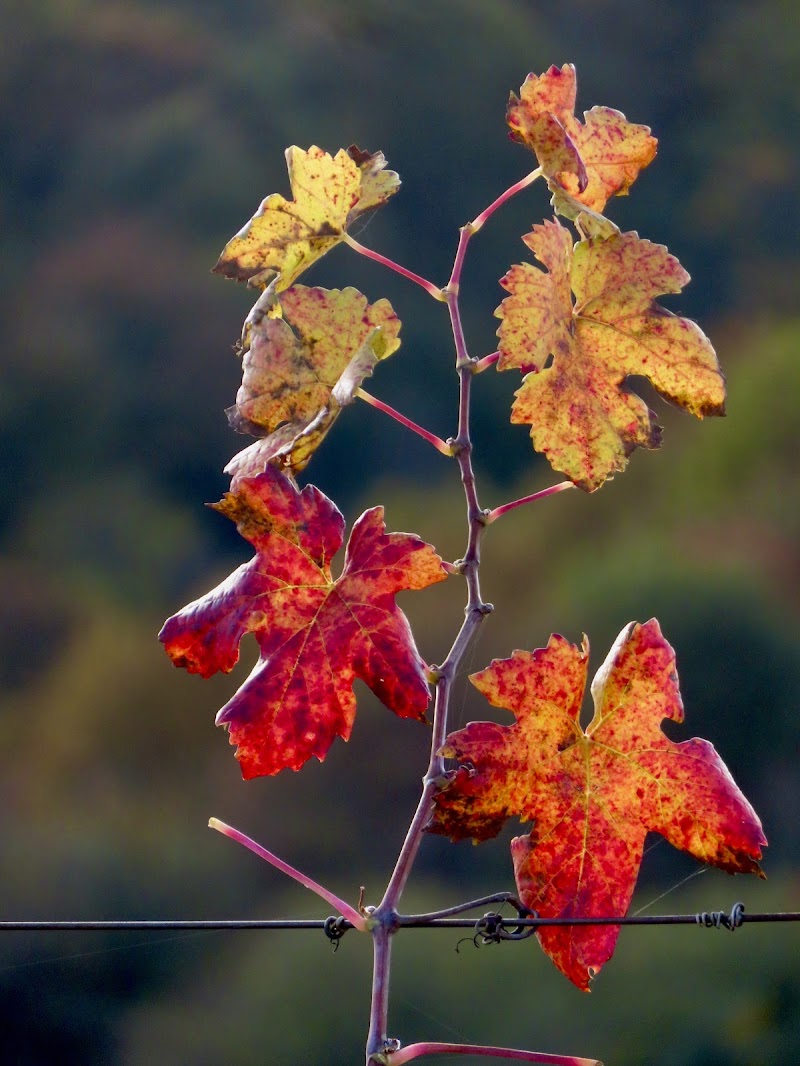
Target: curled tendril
(492, 928)
(335, 927)
(721, 919)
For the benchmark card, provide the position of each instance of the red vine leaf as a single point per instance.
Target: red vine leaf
(591, 162)
(305, 354)
(591, 795)
(286, 236)
(581, 414)
(317, 634)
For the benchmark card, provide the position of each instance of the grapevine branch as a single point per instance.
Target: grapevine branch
(586, 421)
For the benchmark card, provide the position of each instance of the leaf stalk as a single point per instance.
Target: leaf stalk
(483, 364)
(441, 446)
(542, 494)
(428, 286)
(504, 197)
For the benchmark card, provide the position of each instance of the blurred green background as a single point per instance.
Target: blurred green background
(135, 139)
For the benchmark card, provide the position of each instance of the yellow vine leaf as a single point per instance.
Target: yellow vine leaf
(582, 415)
(307, 351)
(285, 237)
(591, 160)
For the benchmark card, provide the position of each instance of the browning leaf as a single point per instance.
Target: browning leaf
(581, 414)
(286, 236)
(305, 355)
(591, 795)
(316, 633)
(592, 161)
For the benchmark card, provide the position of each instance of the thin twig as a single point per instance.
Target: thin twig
(460, 908)
(344, 909)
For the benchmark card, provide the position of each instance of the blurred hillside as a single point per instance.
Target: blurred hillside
(134, 140)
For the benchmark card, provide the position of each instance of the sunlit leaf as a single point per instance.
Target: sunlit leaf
(582, 415)
(286, 236)
(307, 352)
(592, 161)
(593, 795)
(316, 633)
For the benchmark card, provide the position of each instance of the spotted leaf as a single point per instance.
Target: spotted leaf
(316, 633)
(591, 160)
(285, 237)
(591, 795)
(593, 312)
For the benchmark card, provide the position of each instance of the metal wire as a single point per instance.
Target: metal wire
(168, 924)
(337, 926)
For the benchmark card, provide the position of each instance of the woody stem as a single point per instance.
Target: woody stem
(385, 914)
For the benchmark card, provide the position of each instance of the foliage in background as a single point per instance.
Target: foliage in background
(131, 135)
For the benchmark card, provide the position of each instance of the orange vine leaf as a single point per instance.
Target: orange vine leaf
(593, 795)
(286, 236)
(581, 414)
(305, 353)
(316, 633)
(590, 161)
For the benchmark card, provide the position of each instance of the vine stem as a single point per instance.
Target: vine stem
(431, 438)
(542, 494)
(348, 912)
(428, 286)
(385, 915)
(435, 1047)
